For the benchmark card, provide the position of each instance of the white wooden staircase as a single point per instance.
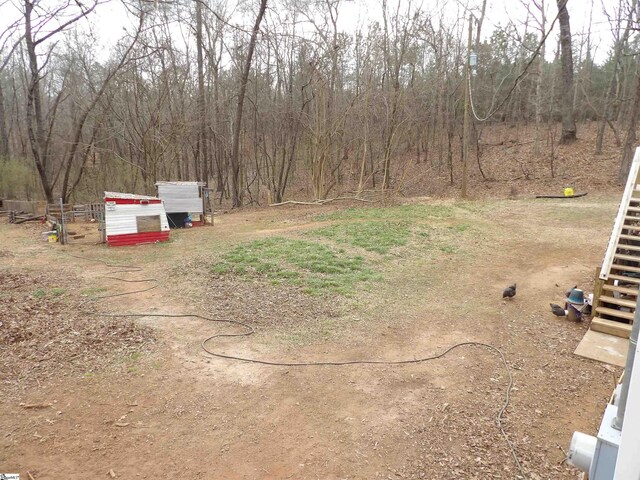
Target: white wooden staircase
(616, 288)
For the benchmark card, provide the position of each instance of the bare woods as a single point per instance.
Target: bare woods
(256, 96)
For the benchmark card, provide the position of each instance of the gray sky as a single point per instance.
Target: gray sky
(110, 19)
(500, 12)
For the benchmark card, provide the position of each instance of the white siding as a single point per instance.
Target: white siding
(121, 219)
(180, 197)
(628, 462)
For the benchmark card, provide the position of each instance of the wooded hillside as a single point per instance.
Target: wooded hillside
(259, 96)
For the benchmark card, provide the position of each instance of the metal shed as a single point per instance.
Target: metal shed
(134, 219)
(181, 200)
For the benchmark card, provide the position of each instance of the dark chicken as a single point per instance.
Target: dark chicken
(557, 310)
(509, 292)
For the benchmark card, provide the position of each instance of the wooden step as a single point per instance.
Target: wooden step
(615, 313)
(624, 278)
(633, 238)
(624, 246)
(625, 268)
(612, 328)
(631, 218)
(623, 256)
(635, 228)
(633, 209)
(625, 290)
(617, 301)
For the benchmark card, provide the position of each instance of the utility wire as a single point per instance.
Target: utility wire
(515, 83)
(249, 330)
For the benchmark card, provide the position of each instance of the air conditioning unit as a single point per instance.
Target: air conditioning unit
(598, 455)
(614, 454)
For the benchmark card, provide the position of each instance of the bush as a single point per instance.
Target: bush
(18, 179)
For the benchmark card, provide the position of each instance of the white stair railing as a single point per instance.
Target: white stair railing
(632, 180)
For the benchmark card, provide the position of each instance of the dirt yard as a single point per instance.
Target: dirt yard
(89, 396)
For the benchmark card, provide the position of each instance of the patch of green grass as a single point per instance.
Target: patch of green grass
(377, 237)
(131, 362)
(404, 212)
(135, 357)
(315, 267)
(222, 268)
(460, 227)
(92, 291)
(39, 293)
(448, 249)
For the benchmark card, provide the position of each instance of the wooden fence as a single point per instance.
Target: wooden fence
(63, 215)
(59, 216)
(75, 212)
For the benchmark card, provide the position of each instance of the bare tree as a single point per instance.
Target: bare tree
(606, 113)
(202, 152)
(236, 187)
(35, 117)
(79, 125)
(394, 61)
(540, 6)
(568, 122)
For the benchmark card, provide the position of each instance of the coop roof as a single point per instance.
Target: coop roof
(181, 197)
(127, 196)
(199, 184)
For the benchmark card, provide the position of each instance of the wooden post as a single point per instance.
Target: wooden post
(203, 193)
(63, 230)
(467, 118)
(597, 291)
(206, 200)
(102, 222)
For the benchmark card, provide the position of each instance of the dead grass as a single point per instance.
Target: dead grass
(44, 330)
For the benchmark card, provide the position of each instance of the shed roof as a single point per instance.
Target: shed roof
(200, 184)
(129, 196)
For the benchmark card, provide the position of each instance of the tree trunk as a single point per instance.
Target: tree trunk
(4, 137)
(630, 138)
(539, 87)
(34, 108)
(236, 188)
(568, 122)
(203, 147)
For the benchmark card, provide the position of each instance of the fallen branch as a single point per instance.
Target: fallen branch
(318, 202)
(36, 405)
(28, 219)
(577, 195)
(293, 202)
(346, 198)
